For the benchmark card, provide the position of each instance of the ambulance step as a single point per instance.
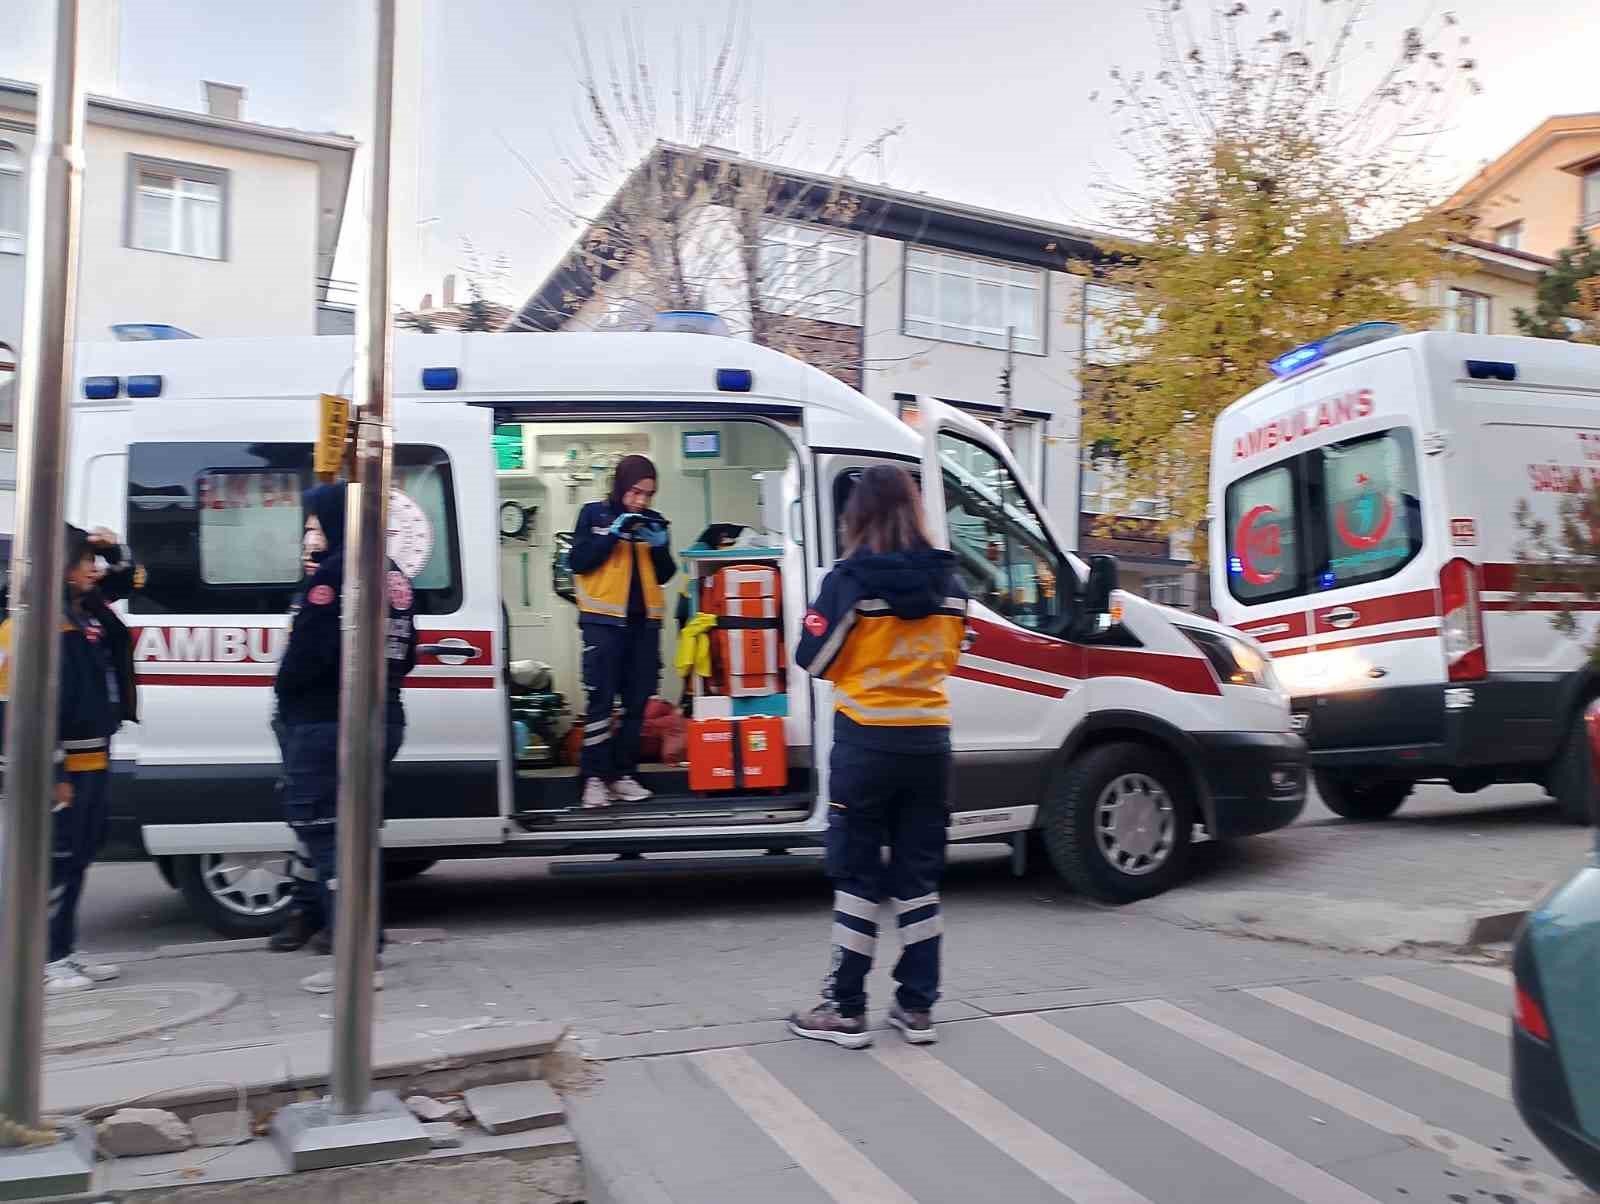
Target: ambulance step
(799, 860)
(672, 813)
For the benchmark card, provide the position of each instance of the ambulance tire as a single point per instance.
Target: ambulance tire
(230, 904)
(407, 869)
(1072, 835)
(1361, 800)
(1571, 781)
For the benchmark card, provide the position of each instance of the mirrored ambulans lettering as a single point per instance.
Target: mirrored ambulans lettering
(1320, 416)
(227, 645)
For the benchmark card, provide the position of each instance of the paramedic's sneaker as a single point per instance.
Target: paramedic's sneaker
(626, 790)
(321, 983)
(915, 1027)
(596, 794)
(823, 1023)
(94, 972)
(60, 978)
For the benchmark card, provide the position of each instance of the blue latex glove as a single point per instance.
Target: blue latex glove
(622, 523)
(656, 536)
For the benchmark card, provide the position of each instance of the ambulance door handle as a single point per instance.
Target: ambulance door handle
(968, 638)
(452, 647)
(1341, 616)
(1377, 671)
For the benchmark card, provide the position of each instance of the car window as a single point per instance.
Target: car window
(1264, 553)
(1371, 514)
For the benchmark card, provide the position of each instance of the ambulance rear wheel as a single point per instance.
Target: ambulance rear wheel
(1119, 823)
(236, 895)
(1361, 800)
(1571, 781)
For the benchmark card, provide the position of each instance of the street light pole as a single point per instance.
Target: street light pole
(362, 727)
(37, 554)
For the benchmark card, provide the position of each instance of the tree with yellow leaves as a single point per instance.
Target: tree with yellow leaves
(1269, 204)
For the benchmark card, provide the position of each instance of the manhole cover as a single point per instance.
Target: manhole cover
(111, 1014)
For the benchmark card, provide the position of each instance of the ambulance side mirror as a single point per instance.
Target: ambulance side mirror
(1097, 593)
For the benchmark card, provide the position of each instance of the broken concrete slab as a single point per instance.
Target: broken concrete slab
(139, 1132)
(426, 1108)
(516, 1107)
(443, 1135)
(220, 1128)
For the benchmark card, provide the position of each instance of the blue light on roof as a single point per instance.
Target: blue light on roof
(102, 388)
(690, 321)
(1298, 359)
(440, 380)
(735, 380)
(144, 386)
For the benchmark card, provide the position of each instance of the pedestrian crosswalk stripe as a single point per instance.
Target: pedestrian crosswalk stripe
(1495, 974)
(1334, 1093)
(1418, 1052)
(1495, 1022)
(1060, 1166)
(1307, 1183)
(837, 1166)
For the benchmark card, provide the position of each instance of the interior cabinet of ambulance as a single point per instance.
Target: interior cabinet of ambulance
(721, 480)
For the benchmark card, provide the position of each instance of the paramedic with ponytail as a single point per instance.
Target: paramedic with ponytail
(886, 630)
(620, 561)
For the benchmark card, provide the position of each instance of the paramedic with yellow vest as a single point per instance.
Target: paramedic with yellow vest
(620, 560)
(886, 629)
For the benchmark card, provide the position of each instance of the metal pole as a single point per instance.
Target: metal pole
(1007, 419)
(366, 619)
(43, 403)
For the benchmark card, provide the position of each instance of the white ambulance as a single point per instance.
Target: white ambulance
(1366, 532)
(1108, 724)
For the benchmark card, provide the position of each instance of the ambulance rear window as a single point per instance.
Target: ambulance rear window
(218, 526)
(1264, 555)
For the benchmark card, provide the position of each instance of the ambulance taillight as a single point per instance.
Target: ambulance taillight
(1464, 650)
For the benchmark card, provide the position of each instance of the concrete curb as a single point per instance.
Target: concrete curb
(1496, 929)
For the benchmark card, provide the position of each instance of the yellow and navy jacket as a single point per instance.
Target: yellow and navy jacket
(607, 566)
(886, 630)
(89, 710)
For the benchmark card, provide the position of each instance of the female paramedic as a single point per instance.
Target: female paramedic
(620, 561)
(886, 630)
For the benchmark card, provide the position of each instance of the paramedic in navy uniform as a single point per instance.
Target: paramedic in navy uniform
(886, 630)
(620, 561)
(308, 697)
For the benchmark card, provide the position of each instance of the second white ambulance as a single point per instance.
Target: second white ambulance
(1374, 512)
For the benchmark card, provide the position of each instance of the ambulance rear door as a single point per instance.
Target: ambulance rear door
(1016, 692)
(213, 495)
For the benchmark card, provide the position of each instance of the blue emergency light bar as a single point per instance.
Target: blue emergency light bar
(440, 380)
(1298, 359)
(144, 386)
(689, 321)
(102, 388)
(735, 380)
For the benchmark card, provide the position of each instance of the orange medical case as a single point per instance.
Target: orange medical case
(735, 754)
(748, 640)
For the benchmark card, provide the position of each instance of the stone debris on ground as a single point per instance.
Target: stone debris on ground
(443, 1135)
(515, 1107)
(221, 1128)
(137, 1132)
(426, 1108)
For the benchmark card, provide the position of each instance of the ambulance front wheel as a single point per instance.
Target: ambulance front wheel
(1360, 800)
(236, 895)
(1119, 823)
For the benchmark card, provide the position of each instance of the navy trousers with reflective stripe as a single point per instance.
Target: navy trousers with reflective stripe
(79, 832)
(894, 801)
(618, 662)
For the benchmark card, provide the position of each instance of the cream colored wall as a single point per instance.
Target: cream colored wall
(1505, 296)
(1544, 198)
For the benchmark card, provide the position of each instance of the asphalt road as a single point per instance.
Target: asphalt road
(128, 907)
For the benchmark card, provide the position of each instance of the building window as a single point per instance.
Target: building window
(1509, 236)
(1591, 197)
(8, 387)
(1466, 312)
(179, 208)
(811, 272)
(11, 200)
(1105, 491)
(963, 300)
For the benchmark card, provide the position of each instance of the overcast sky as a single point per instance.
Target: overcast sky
(994, 97)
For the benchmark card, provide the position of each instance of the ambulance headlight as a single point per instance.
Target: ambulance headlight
(1236, 662)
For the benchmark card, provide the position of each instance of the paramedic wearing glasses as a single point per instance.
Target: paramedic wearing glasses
(620, 560)
(886, 630)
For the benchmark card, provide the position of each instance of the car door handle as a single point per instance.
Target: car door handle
(1377, 671)
(1341, 616)
(451, 647)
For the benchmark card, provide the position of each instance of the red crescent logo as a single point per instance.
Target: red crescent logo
(1250, 541)
(1380, 529)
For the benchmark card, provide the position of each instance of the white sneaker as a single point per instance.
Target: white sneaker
(93, 971)
(63, 978)
(595, 795)
(321, 983)
(626, 790)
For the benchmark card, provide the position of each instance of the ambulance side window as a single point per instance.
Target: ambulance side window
(1003, 554)
(217, 526)
(1265, 561)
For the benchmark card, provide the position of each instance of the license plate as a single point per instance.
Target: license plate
(1299, 721)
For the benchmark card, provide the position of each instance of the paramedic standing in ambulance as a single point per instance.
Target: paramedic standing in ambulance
(886, 630)
(620, 560)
